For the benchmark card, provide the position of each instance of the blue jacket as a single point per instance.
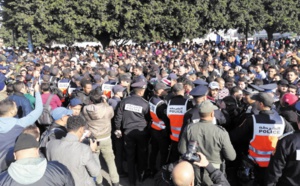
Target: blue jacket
(23, 104)
(11, 128)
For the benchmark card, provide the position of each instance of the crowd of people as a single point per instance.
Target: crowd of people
(218, 113)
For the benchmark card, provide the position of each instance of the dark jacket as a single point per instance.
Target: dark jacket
(289, 113)
(23, 104)
(132, 113)
(284, 167)
(36, 172)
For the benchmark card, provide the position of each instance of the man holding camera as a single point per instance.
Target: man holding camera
(183, 173)
(82, 160)
(213, 141)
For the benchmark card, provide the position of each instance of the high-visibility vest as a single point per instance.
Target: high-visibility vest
(265, 137)
(175, 113)
(157, 123)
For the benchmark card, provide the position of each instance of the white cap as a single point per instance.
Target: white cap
(214, 85)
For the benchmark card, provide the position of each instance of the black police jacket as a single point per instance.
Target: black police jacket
(132, 113)
(284, 166)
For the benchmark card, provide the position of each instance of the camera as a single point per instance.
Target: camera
(191, 154)
(86, 140)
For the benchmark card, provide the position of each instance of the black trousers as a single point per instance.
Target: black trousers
(118, 146)
(136, 147)
(160, 142)
(174, 154)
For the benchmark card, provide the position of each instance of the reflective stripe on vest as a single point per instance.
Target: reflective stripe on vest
(259, 159)
(259, 151)
(175, 114)
(160, 125)
(264, 140)
(157, 124)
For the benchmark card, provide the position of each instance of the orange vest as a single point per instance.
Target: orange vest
(265, 137)
(157, 124)
(175, 114)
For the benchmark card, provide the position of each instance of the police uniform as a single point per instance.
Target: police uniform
(284, 167)
(213, 142)
(176, 109)
(159, 132)
(258, 134)
(133, 115)
(193, 115)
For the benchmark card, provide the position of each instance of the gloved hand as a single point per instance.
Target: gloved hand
(118, 133)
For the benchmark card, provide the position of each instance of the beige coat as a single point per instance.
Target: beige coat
(98, 117)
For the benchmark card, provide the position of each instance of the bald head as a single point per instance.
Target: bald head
(183, 174)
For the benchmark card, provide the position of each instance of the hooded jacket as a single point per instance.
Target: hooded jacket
(36, 172)
(98, 117)
(11, 128)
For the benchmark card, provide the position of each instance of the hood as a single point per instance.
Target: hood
(28, 171)
(7, 124)
(95, 112)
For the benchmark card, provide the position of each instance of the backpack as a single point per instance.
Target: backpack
(46, 118)
(45, 138)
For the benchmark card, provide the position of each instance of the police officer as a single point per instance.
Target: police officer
(124, 81)
(118, 141)
(160, 129)
(199, 94)
(176, 109)
(133, 114)
(259, 134)
(250, 106)
(284, 166)
(213, 141)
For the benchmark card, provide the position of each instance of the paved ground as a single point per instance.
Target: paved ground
(123, 181)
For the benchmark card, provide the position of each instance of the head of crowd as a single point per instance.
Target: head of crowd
(78, 94)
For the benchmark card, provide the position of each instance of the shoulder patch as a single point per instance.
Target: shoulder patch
(286, 134)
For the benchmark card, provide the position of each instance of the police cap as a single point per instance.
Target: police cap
(268, 87)
(252, 89)
(139, 84)
(200, 82)
(199, 91)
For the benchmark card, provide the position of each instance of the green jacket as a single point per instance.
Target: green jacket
(213, 141)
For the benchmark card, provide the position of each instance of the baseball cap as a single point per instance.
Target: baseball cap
(159, 86)
(214, 85)
(226, 64)
(207, 107)
(172, 76)
(118, 88)
(60, 112)
(198, 91)
(282, 82)
(265, 98)
(75, 101)
(25, 141)
(243, 71)
(289, 99)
